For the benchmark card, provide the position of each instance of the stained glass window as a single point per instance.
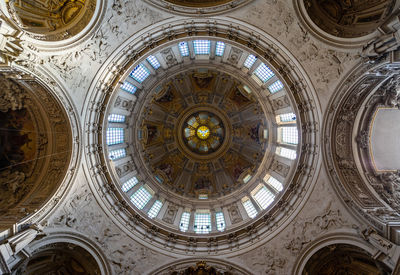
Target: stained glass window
(153, 212)
(184, 48)
(290, 135)
(263, 197)
(129, 87)
(114, 136)
(250, 60)
(202, 223)
(249, 207)
(286, 153)
(117, 154)
(153, 62)
(275, 87)
(219, 48)
(263, 72)
(129, 184)
(140, 73)
(141, 197)
(184, 224)
(116, 118)
(201, 46)
(220, 220)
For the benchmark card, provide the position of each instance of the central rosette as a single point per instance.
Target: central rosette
(203, 132)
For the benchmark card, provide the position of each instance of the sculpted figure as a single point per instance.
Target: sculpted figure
(381, 45)
(393, 93)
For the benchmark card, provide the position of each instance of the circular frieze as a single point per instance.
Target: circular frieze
(196, 7)
(199, 3)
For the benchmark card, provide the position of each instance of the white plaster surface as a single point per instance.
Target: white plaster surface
(385, 139)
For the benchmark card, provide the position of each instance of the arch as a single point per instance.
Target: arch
(58, 249)
(330, 240)
(348, 139)
(53, 152)
(206, 264)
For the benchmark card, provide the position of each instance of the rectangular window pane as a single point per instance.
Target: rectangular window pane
(275, 87)
(153, 62)
(141, 197)
(202, 223)
(114, 136)
(140, 73)
(220, 220)
(219, 48)
(289, 117)
(129, 87)
(202, 46)
(116, 118)
(286, 153)
(264, 72)
(249, 207)
(128, 185)
(184, 48)
(264, 197)
(276, 184)
(250, 61)
(184, 224)
(289, 135)
(117, 154)
(153, 212)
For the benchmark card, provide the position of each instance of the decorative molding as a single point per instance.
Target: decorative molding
(198, 9)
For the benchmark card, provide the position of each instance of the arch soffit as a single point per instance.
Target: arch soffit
(363, 81)
(136, 47)
(334, 41)
(58, 91)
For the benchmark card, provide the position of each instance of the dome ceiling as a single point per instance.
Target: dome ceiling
(202, 134)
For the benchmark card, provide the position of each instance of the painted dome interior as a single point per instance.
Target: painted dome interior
(200, 148)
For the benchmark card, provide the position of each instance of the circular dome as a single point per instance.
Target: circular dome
(155, 185)
(201, 133)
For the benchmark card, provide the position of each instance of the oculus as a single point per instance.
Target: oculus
(203, 132)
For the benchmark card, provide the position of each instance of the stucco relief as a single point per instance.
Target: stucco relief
(324, 64)
(83, 214)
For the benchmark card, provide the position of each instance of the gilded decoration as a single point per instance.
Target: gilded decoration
(52, 20)
(203, 133)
